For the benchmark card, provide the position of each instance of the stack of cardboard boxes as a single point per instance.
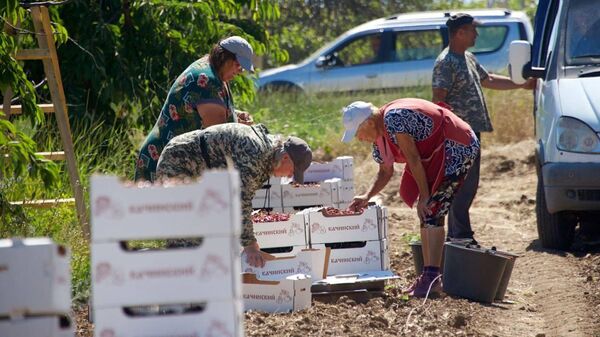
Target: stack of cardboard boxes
(358, 241)
(35, 289)
(326, 184)
(191, 291)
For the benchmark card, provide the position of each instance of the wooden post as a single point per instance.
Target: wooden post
(41, 22)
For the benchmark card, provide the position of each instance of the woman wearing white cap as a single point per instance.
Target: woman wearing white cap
(438, 148)
(199, 98)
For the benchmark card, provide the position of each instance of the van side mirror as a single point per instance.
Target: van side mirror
(519, 57)
(519, 63)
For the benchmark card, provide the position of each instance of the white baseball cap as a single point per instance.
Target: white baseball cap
(353, 115)
(242, 50)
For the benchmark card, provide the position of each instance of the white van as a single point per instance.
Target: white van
(394, 52)
(565, 57)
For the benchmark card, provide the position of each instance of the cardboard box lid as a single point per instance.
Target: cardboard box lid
(358, 277)
(208, 207)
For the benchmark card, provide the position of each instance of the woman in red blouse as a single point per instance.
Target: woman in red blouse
(438, 149)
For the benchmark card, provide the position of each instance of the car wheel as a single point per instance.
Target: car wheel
(556, 231)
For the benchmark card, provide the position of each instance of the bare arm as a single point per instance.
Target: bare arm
(212, 114)
(384, 175)
(439, 95)
(499, 82)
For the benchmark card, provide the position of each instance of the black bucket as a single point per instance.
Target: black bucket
(510, 263)
(472, 272)
(417, 254)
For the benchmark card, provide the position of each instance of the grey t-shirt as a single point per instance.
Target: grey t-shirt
(461, 76)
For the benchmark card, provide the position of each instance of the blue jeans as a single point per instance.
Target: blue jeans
(459, 222)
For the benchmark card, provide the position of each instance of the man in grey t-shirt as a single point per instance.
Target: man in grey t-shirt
(457, 81)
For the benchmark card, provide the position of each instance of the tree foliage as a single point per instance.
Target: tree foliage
(305, 26)
(129, 52)
(17, 150)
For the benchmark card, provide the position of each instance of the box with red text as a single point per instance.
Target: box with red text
(291, 293)
(330, 225)
(271, 233)
(124, 211)
(313, 262)
(121, 276)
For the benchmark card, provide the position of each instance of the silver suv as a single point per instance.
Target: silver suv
(394, 52)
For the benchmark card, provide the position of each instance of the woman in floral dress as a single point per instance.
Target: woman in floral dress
(438, 149)
(199, 98)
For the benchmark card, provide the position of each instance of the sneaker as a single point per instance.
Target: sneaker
(421, 285)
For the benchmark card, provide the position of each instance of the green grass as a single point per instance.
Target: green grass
(112, 149)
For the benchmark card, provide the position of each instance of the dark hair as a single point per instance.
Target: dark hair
(219, 56)
(453, 30)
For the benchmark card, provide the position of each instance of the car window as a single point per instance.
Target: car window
(417, 45)
(490, 39)
(582, 37)
(360, 51)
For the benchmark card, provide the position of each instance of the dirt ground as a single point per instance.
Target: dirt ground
(550, 293)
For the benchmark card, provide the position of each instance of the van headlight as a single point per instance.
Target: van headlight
(575, 136)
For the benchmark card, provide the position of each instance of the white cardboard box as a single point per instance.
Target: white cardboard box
(42, 326)
(268, 198)
(35, 277)
(282, 233)
(311, 262)
(346, 194)
(370, 225)
(340, 167)
(373, 256)
(324, 194)
(219, 318)
(291, 293)
(208, 207)
(210, 271)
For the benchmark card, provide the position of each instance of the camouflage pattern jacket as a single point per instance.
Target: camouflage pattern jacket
(251, 148)
(461, 76)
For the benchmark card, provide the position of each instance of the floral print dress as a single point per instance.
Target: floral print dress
(458, 157)
(198, 84)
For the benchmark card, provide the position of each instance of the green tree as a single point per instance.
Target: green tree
(129, 52)
(17, 151)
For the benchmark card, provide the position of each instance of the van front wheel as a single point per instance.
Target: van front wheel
(556, 231)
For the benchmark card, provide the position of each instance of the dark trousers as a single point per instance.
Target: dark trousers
(459, 222)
